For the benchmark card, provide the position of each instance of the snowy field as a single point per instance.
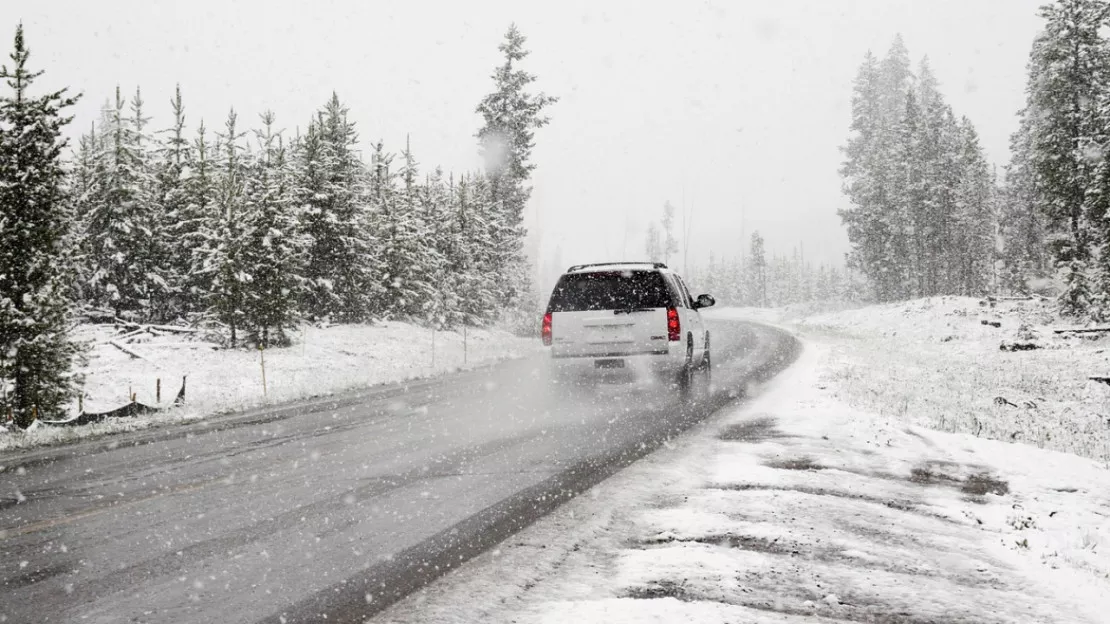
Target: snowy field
(836, 495)
(322, 361)
(933, 362)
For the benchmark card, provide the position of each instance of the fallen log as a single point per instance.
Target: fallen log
(166, 328)
(173, 329)
(1081, 330)
(131, 352)
(185, 345)
(130, 334)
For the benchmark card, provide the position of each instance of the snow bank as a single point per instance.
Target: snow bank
(321, 361)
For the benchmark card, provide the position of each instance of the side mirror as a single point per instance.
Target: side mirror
(705, 301)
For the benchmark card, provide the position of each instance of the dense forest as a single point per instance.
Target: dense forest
(246, 227)
(929, 216)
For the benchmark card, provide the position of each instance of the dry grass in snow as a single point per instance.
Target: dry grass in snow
(932, 362)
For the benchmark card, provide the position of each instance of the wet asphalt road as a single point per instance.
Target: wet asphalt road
(334, 507)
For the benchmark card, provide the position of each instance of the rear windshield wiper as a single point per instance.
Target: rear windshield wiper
(631, 310)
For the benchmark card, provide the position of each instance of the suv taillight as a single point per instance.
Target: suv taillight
(674, 327)
(545, 332)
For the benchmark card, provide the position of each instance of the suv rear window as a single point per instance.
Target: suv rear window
(609, 290)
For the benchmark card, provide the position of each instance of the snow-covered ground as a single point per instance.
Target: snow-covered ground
(934, 362)
(322, 361)
(816, 498)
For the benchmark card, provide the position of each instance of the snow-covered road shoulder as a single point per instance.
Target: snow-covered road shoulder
(322, 361)
(795, 505)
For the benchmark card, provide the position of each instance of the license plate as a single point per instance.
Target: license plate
(609, 363)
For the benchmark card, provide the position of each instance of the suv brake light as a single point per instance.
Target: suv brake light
(545, 332)
(674, 327)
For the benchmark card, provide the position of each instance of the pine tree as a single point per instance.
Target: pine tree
(330, 191)
(470, 260)
(224, 236)
(511, 115)
(757, 264)
(866, 173)
(176, 227)
(194, 227)
(436, 237)
(974, 221)
(1067, 78)
(273, 248)
(398, 234)
(36, 352)
(1022, 224)
(86, 189)
(120, 217)
(155, 250)
(922, 216)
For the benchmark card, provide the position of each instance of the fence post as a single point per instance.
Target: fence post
(158, 390)
(262, 358)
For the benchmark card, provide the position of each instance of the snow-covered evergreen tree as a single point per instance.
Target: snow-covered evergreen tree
(123, 275)
(922, 217)
(866, 171)
(511, 114)
(331, 195)
(273, 248)
(434, 215)
(470, 259)
(973, 231)
(407, 260)
(176, 224)
(36, 352)
(1067, 79)
(224, 235)
(86, 189)
(1022, 224)
(193, 229)
(757, 263)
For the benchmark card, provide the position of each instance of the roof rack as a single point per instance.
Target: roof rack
(577, 267)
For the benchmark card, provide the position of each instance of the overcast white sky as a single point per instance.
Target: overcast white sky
(736, 108)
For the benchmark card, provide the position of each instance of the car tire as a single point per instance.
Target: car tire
(707, 367)
(687, 372)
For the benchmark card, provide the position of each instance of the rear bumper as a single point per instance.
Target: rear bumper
(618, 367)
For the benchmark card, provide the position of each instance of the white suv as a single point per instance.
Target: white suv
(629, 319)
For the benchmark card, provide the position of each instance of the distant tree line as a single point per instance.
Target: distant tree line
(253, 229)
(757, 278)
